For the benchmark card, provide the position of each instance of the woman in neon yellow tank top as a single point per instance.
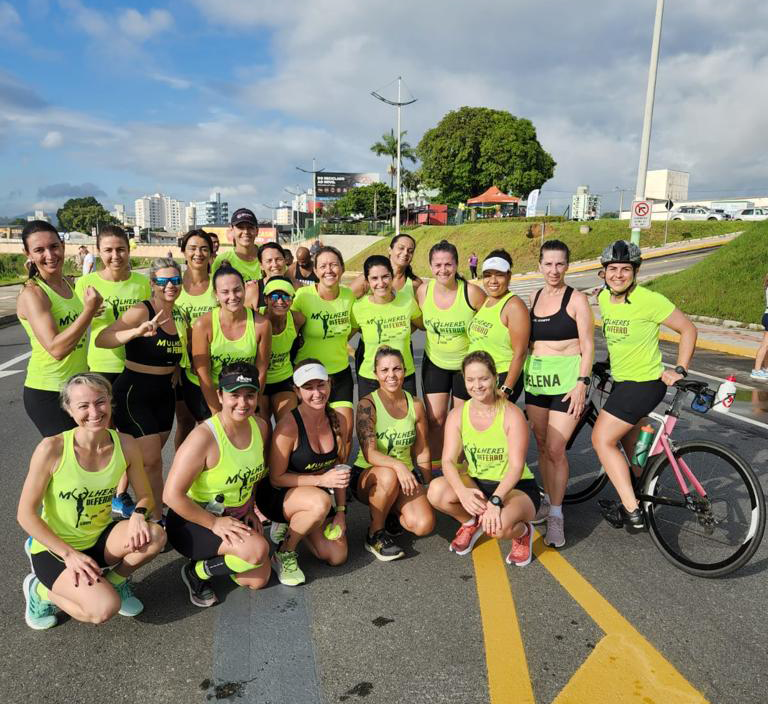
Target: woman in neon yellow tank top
(501, 325)
(498, 494)
(55, 320)
(229, 333)
(74, 476)
(393, 462)
(210, 492)
(401, 251)
(448, 303)
(244, 255)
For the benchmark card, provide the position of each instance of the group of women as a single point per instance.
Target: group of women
(252, 359)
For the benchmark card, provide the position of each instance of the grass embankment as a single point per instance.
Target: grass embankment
(481, 237)
(728, 283)
(12, 270)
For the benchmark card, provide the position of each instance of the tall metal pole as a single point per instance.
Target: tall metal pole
(397, 200)
(648, 116)
(314, 197)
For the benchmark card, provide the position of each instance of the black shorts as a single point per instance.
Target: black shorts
(517, 389)
(365, 385)
(631, 401)
(111, 377)
(527, 486)
(48, 567)
(194, 399)
(145, 404)
(45, 411)
(278, 387)
(270, 500)
(436, 380)
(765, 320)
(553, 402)
(193, 541)
(342, 389)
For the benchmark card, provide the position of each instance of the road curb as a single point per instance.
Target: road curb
(726, 323)
(10, 319)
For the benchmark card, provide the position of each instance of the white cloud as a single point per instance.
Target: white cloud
(134, 27)
(142, 27)
(172, 81)
(9, 18)
(52, 139)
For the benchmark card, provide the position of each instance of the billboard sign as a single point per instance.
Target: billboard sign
(334, 184)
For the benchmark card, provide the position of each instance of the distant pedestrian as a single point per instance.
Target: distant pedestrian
(759, 372)
(215, 240)
(314, 248)
(473, 265)
(88, 261)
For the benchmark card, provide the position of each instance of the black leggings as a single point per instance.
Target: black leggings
(191, 539)
(145, 404)
(45, 411)
(194, 399)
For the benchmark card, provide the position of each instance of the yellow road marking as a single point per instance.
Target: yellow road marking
(509, 681)
(623, 667)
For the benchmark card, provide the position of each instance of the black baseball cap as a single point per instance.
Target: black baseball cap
(233, 382)
(243, 215)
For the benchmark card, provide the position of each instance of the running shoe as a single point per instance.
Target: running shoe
(761, 374)
(123, 505)
(28, 551)
(522, 548)
(466, 537)
(542, 513)
(615, 513)
(382, 547)
(129, 603)
(200, 592)
(555, 532)
(277, 532)
(286, 564)
(39, 614)
(392, 525)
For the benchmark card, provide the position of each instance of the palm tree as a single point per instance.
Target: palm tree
(388, 147)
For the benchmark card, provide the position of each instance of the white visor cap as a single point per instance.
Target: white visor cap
(496, 264)
(310, 372)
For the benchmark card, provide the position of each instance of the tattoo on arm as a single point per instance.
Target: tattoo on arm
(366, 424)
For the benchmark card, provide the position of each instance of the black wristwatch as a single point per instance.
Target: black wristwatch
(496, 501)
(141, 510)
(507, 391)
(681, 370)
(586, 380)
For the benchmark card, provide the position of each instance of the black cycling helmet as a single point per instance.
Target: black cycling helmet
(621, 252)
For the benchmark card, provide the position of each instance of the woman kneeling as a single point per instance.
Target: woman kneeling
(498, 495)
(74, 475)
(210, 491)
(393, 462)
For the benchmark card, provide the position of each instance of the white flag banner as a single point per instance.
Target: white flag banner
(533, 199)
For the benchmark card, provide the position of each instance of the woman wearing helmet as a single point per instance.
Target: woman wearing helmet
(631, 317)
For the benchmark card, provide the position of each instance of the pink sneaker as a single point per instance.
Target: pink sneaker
(522, 548)
(466, 537)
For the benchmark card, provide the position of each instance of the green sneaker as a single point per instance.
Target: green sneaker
(39, 614)
(277, 532)
(286, 565)
(129, 604)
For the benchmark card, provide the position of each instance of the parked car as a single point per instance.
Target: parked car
(696, 212)
(752, 214)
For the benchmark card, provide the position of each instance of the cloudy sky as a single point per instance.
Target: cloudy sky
(186, 96)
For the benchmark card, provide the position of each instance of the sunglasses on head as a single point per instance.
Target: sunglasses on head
(276, 296)
(163, 281)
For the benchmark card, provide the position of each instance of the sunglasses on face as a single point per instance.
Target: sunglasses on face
(280, 296)
(163, 281)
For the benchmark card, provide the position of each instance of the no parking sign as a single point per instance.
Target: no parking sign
(641, 215)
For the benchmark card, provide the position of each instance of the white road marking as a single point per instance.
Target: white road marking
(10, 372)
(13, 361)
(713, 378)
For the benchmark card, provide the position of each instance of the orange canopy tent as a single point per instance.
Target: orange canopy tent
(493, 196)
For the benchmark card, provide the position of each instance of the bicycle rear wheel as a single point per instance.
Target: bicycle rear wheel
(707, 535)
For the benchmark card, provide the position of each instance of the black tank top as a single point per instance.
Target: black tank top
(161, 350)
(304, 459)
(306, 279)
(557, 327)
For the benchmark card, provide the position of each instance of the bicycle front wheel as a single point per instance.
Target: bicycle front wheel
(707, 534)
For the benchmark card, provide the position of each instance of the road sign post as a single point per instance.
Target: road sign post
(640, 215)
(668, 205)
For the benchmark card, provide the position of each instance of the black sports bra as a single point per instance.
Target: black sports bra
(557, 327)
(161, 350)
(304, 459)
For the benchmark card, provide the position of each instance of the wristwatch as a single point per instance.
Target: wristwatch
(681, 370)
(586, 380)
(507, 391)
(496, 501)
(141, 510)
(340, 509)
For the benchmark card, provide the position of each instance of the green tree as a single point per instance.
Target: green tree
(388, 147)
(472, 149)
(411, 181)
(376, 199)
(82, 214)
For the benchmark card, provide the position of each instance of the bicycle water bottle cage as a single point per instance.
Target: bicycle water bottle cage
(703, 401)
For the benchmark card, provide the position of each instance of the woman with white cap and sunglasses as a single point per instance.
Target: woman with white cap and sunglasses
(501, 325)
(307, 446)
(279, 395)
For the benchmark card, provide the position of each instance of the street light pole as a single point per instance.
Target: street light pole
(314, 173)
(648, 116)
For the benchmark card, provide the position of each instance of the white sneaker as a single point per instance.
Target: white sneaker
(277, 532)
(761, 374)
(555, 532)
(542, 513)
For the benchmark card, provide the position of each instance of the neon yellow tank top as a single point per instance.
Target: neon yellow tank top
(225, 351)
(394, 436)
(43, 371)
(77, 504)
(447, 340)
(327, 326)
(251, 270)
(487, 451)
(487, 333)
(189, 309)
(236, 472)
(385, 324)
(407, 289)
(118, 297)
(280, 366)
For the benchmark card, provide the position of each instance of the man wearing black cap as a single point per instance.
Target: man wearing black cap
(243, 230)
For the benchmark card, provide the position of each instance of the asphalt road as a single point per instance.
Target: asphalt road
(605, 615)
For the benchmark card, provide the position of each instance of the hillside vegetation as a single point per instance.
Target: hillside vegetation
(728, 283)
(482, 237)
